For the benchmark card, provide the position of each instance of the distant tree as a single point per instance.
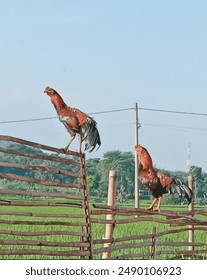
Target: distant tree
(200, 184)
(93, 177)
(123, 164)
(92, 184)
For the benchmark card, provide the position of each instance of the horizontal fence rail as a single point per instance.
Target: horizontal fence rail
(35, 156)
(40, 168)
(43, 233)
(36, 145)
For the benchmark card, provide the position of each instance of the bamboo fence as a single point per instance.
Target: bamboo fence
(155, 245)
(24, 230)
(129, 247)
(52, 219)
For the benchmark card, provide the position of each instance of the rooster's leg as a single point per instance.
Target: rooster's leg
(158, 204)
(80, 142)
(152, 205)
(71, 140)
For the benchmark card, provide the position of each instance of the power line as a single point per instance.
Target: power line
(111, 111)
(174, 112)
(50, 118)
(28, 120)
(200, 130)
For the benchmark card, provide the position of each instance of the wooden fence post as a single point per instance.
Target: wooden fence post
(152, 247)
(111, 202)
(191, 184)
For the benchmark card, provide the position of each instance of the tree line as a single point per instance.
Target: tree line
(97, 175)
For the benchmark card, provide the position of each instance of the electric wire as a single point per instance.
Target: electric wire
(111, 111)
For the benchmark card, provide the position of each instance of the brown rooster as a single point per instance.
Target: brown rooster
(76, 122)
(156, 182)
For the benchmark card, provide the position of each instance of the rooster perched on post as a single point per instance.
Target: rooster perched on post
(76, 122)
(156, 182)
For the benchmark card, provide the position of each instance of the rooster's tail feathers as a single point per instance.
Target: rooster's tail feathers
(90, 134)
(183, 189)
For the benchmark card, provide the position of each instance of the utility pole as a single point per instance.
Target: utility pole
(136, 186)
(188, 157)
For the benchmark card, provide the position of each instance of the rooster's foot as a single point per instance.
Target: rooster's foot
(156, 210)
(65, 150)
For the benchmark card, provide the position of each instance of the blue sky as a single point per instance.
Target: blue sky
(107, 55)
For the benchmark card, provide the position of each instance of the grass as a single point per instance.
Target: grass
(38, 228)
(98, 230)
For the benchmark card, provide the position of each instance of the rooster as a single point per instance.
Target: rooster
(156, 182)
(76, 122)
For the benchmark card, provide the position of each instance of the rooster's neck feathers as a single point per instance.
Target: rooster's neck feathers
(57, 101)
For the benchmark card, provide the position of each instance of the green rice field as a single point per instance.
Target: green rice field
(98, 230)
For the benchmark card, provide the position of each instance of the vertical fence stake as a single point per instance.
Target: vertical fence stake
(152, 247)
(111, 202)
(191, 184)
(86, 205)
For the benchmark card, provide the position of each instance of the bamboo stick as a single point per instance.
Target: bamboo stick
(132, 211)
(129, 212)
(102, 221)
(101, 212)
(158, 234)
(131, 256)
(86, 204)
(132, 220)
(113, 248)
(153, 246)
(13, 222)
(36, 145)
(40, 182)
(48, 215)
(42, 233)
(41, 194)
(68, 253)
(178, 244)
(44, 243)
(41, 168)
(123, 239)
(188, 222)
(181, 252)
(38, 156)
(37, 203)
(110, 218)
